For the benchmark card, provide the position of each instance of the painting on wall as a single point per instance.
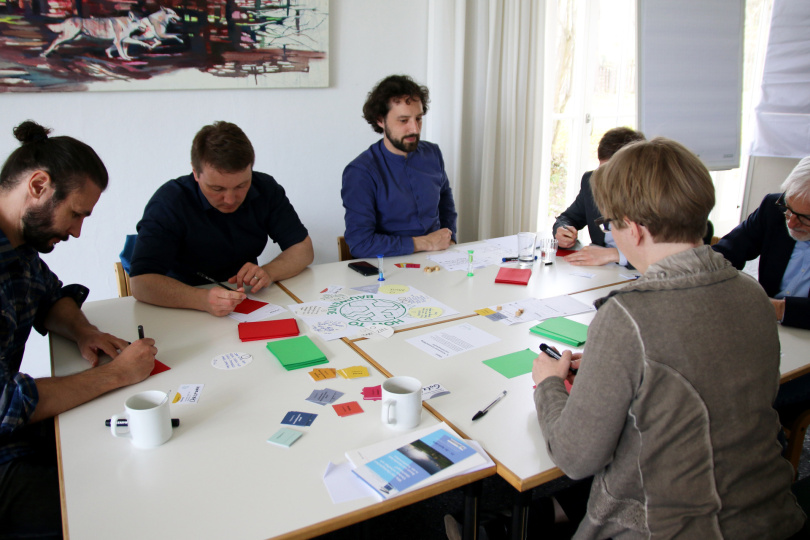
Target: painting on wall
(113, 45)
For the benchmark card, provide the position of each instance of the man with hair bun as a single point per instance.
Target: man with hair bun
(396, 194)
(214, 223)
(48, 186)
(670, 409)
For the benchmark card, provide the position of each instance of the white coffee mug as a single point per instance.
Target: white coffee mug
(401, 402)
(148, 419)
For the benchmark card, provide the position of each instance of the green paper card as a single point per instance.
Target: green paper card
(562, 330)
(514, 364)
(284, 437)
(297, 352)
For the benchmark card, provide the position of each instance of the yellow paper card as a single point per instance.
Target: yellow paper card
(320, 374)
(354, 372)
(484, 312)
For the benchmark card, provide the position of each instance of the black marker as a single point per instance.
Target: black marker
(484, 411)
(124, 423)
(555, 355)
(513, 259)
(215, 282)
(140, 332)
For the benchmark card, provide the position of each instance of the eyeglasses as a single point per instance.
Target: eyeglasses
(603, 223)
(782, 205)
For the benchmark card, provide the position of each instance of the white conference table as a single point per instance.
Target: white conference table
(457, 290)
(217, 477)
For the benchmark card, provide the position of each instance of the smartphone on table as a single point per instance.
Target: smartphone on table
(367, 269)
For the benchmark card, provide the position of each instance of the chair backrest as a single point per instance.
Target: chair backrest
(122, 280)
(343, 250)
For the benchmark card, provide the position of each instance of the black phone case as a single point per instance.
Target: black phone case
(364, 268)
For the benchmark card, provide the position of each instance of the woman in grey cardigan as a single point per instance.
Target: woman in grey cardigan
(671, 407)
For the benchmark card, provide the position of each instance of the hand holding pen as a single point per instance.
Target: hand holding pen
(554, 364)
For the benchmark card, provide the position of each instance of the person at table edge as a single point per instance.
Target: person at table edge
(778, 232)
(48, 186)
(671, 407)
(396, 194)
(583, 211)
(216, 222)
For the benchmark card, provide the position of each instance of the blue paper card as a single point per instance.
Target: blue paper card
(296, 418)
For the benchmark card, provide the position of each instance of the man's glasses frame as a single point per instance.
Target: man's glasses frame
(782, 205)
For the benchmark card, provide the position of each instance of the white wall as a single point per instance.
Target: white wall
(303, 137)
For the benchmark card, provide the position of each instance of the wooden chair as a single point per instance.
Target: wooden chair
(795, 432)
(343, 250)
(122, 280)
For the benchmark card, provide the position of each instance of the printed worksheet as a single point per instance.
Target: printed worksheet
(347, 314)
(452, 341)
(536, 309)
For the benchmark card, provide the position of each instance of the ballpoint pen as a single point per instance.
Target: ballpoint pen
(484, 411)
(215, 282)
(513, 259)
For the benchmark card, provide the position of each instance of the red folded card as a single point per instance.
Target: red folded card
(248, 305)
(515, 276)
(160, 367)
(253, 331)
(565, 252)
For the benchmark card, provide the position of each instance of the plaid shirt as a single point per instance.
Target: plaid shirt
(28, 289)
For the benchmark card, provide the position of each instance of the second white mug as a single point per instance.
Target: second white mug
(148, 418)
(401, 402)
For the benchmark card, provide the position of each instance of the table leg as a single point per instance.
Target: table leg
(472, 495)
(520, 514)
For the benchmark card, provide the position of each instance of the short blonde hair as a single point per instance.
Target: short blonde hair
(659, 184)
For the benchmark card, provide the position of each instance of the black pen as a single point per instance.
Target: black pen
(140, 332)
(555, 355)
(513, 259)
(484, 411)
(215, 282)
(124, 423)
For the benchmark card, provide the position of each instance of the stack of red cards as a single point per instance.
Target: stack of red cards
(279, 328)
(515, 276)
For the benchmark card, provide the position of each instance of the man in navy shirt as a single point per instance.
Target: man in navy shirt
(48, 186)
(214, 223)
(396, 194)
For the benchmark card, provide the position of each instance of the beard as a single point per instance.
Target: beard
(799, 236)
(400, 144)
(37, 228)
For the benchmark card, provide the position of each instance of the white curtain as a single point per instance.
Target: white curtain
(783, 114)
(485, 73)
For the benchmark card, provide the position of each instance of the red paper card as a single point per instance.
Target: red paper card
(248, 306)
(515, 276)
(160, 367)
(253, 331)
(347, 409)
(565, 252)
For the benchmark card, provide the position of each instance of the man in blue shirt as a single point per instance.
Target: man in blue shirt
(778, 232)
(396, 194)
(215, 223)
(48, 186)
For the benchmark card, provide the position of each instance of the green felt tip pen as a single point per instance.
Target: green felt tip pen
(470, 263)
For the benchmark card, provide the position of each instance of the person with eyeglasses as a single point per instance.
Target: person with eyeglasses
(778, 232)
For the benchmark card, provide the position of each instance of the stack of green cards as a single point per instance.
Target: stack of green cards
(514, 364)
(297, 352)
(562, 330)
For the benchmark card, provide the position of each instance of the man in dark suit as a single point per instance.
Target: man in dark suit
(583, 211)
(778, 232)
